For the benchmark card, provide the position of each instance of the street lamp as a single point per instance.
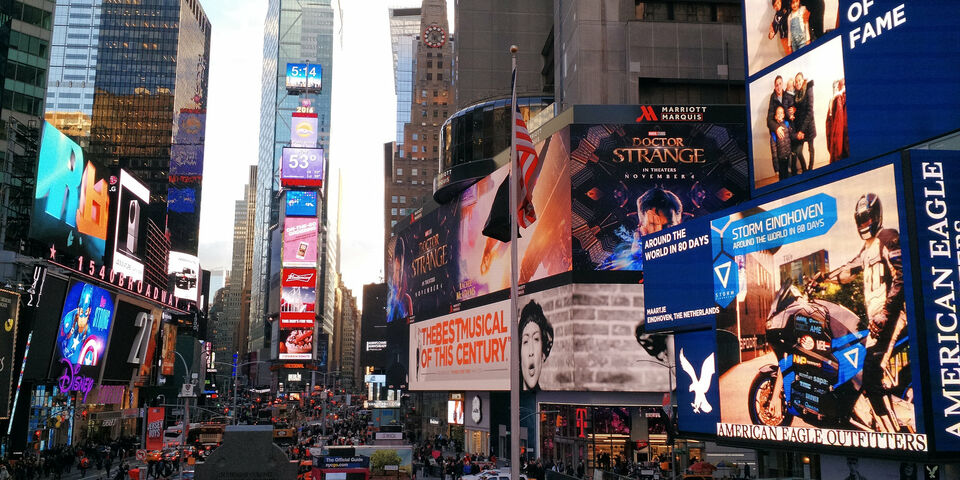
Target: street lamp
(671, 371)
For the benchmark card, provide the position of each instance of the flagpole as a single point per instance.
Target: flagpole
(514, 268)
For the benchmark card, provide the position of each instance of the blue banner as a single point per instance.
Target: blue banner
(679, 292)
(936, 181)
(698, 393)
(807, 218)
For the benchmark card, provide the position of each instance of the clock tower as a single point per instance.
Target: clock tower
(415, 158)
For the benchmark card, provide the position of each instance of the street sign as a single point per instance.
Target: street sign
(390, 468)
(187, 391)
(141, 454)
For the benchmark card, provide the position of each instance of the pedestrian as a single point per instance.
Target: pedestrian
(84, 465)
(108, 464)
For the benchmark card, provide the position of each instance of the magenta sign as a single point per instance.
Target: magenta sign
(301, 167)
(71, 380)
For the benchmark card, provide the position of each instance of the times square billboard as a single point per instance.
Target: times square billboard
(601, 185)
(856, 79)
(823, 315)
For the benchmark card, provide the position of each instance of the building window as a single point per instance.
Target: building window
(414, 171)
(393, 199)
(429, 76)
(403, 199)
(399, 171)
(423, 93)
(429, 63)
(393, 211)
(434, 149)
(414, 136)
(401, 153)
(439, 76)
(429, 54)
(415, 149)
(392, 223)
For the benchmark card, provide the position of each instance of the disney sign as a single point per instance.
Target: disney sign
(72, 381)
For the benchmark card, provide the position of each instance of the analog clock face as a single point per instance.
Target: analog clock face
(434, 36)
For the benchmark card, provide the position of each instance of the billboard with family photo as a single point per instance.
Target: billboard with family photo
(630, 180)
(444, 258)
(855, 80)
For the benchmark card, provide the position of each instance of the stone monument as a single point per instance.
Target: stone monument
(247, 453)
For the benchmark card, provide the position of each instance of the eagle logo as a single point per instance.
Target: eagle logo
(699, 384)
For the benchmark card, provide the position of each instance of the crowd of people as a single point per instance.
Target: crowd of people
(54, 463)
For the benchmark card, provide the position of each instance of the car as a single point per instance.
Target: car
(492, 475)
(186, 279)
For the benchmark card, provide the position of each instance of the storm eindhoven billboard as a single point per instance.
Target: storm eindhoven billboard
(298, 297)
(301, 167)
(836, 67)
(443, 257)
(825, 298)
(629, 180)
(71, 206)
(597, 349)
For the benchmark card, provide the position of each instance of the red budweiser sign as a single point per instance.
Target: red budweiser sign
(298, 297)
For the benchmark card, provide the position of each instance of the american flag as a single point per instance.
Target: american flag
(528, 164)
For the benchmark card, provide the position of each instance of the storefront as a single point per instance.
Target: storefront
(476, 423)
(602, 436)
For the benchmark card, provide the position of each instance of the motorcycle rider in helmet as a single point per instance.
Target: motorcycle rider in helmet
(880, 263)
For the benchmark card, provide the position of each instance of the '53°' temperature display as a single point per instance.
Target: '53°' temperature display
(302, 167)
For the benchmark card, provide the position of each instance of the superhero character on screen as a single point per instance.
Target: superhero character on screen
(77, 344)
(881, 266)
(657, 208)
(399, 303)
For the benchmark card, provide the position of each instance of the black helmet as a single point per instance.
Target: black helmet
(869, 216)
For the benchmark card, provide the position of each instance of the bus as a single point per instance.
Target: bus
(206, 434)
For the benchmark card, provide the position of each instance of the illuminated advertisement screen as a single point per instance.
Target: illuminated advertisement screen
(836, 71)
(296, 75)
(71, 202)
(808, 297)
(131, 326)
(10, 316)
(301, 167)
(295, 344)
(455, 412)
(191, 127)
(303, 130)
(186, 159)
(635, 179)
(183, 272)
(129, 245)
(85, 324)
(444, 257)
(300, 242)
(301, 203)
(304, 77)
(298, 297)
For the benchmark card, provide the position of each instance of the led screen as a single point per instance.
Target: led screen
(303, 130)
(71, 202)
(302, 167)
(183, 271)
(129, 245)
(295, 344)
(845, 82)
(298, 297)
(85, 324)
(301, 203)
(300, 242)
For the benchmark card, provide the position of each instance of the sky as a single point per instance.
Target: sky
(362, 119)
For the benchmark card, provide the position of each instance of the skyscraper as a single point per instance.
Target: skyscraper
(411, 165)
(25, 32)
(294, 32)
(237, 308)
(129, 83)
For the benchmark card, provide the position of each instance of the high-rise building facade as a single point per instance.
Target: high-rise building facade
(404, 32)
(294, 32)
(128, 81)
(25, 32)
(237, 309)
(411, 164)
